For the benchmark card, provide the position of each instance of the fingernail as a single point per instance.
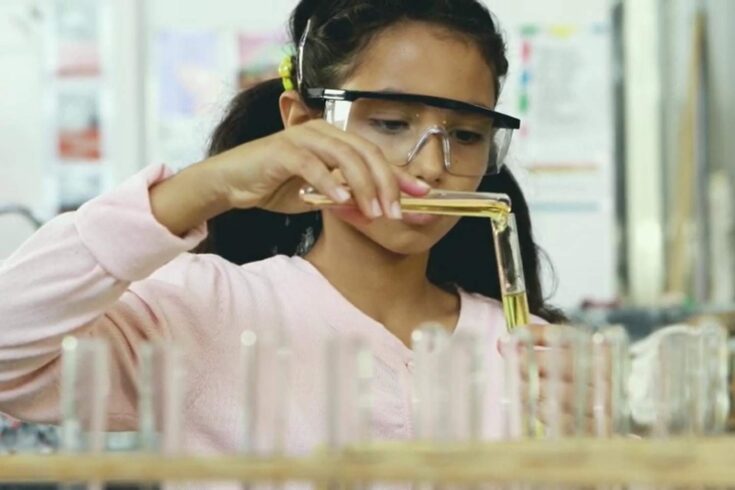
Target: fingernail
(375, 210)
(423, 184)
(341, 195)
(395, 210)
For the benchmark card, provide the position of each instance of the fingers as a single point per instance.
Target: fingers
(334, 153)
(375, 184)
(386, 184)
(296, 161)
(391, 180)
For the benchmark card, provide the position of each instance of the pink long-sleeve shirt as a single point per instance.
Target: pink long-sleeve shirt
(111, 271)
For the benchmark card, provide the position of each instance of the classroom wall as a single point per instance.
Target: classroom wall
(21, 118)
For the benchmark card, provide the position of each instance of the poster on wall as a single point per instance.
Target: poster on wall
(78, 125)
(78, 89)
(187, 77)
(77, 38)
(195, 75)
(566, 145)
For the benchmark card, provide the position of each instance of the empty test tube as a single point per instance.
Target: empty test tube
(348, 373)
(552, 402)
(618, 345)
(600, 387)
(467, 383)
(712, 397)
(265, 374)
(430, 393)
(160, 398)
(449, 381)
(85, 390)
(564, 360)
(520, 384)
(673, 387)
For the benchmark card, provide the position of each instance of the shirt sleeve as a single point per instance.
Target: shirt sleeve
(72, 277)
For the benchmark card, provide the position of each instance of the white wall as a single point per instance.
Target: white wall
(21, 118)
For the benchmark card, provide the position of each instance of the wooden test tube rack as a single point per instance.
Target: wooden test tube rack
(675, 462)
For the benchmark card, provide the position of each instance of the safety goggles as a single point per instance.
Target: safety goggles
(474, 139)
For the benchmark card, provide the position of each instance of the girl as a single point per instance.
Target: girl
(399, 77)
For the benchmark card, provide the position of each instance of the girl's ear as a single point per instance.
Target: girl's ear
(293, 110)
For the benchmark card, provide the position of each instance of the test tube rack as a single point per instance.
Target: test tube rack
(673, 461)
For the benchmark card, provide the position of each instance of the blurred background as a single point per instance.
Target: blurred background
(625, 151)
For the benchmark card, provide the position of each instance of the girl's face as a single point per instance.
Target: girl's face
(420, 58)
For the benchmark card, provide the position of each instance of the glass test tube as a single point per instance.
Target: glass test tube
(430, 393)
(552, 399)
(265, 374)
(712, 397)
(520, 384)
(348, 372)
(85, 389)
(564, 402)
(510, 271)
(672, 390)
(437, 201)
(579, 343)
(449, 381)
(618, 344)
(468, 380)
(160, 399)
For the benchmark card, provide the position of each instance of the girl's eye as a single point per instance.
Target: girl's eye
(467, 137)
(389, 125)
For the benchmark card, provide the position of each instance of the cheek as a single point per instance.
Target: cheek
(350, 214)
(464, 184)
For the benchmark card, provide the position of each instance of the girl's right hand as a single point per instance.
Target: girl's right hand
(269, 172)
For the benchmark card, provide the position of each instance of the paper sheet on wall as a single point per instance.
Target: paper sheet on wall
(564, 98)
(188, 79)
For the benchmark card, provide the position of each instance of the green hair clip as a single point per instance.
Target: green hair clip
(284, 71)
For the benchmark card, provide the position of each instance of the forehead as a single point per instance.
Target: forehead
(421, 58)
